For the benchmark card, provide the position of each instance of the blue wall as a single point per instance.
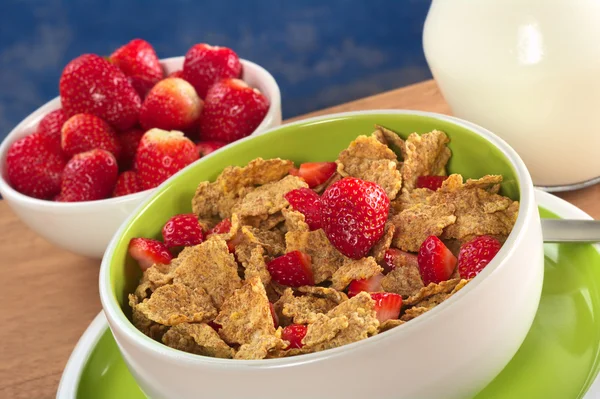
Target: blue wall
(322, 53)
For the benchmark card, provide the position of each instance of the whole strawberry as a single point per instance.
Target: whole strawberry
(90, 84)
(232, 110)
(89, 176)
(137, 59)
(49, 128)
(182, 230)
(84, 132)
(353, 215)
(161, 154)
(474, 255)
(206, 147)
(204, 65)
(129, 141)
(172, 104)
(34, 167)
(126, 184)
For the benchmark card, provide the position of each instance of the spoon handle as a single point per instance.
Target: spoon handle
(565, 230)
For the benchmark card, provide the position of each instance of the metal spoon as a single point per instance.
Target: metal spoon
(571, 230)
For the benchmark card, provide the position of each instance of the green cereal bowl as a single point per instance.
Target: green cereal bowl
(477, 316)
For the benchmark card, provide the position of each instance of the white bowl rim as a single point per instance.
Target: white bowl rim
(83, 206)
(527, 207)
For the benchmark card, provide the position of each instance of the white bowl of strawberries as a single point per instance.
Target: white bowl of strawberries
(76, 167)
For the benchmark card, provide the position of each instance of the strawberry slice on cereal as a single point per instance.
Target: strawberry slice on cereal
(387, 305)
(315, 173)
(294, 333)
(307, 202)
(182, 230)
(293, 269)
(372, 284)
(436, 261)
(148, 252)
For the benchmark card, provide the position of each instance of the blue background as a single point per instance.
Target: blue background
(322, 53)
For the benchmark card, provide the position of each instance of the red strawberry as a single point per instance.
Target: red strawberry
(387, 305)
(34, 167)
(430, 182)
(436, 261)
(176, 74)
(205, 65)
(127, 183)
(353, 215)
(129, 141)
(141, 85)
(293, 269)
(172, 104)
(89, 176)
(306, 201)
(161, 154)
(316, 173)
(372, 284)
(49, 128)
(274, 315)
(394, 258)
(182, 230)
(137, 59)
(206, 147)
(232, 110)
(84, 132)
(90, 84)
(148, 252)
(476, 254)
(294, 334)
(221, 228)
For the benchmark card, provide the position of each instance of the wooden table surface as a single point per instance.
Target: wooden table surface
(49, 296)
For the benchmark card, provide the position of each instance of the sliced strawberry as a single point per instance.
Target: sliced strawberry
(89, 176)
(372, 284)
(430, 182)
(172, 104)
(294, 172)
(387, 305)
(353, 215)
(474, 255)
(293, 269)
(436, 261)
(232, 110)
(221, 228)
(274, 315)
(90, 84)
(307, 202)
(206, 147)
(34, 167)
(294, 334)
(161, 154)
(182, 230)
(84, 132)
(50, 126)
(394, 258)
(215, 326)
(148, 252)
(204, 65)
(127, 183)
(316, 173)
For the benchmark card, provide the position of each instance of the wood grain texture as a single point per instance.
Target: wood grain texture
(49, 296)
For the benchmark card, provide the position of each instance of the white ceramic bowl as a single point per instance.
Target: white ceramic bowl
(450, 352)
(86, 228)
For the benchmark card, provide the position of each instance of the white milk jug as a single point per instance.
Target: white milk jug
(529, 71)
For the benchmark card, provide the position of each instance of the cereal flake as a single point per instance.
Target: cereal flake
(246, 314)
(176, 303)
(200, 339)
(415, 224)
(425, 154)
(354, 270)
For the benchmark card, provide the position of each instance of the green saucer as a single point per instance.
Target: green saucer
(559, 358)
